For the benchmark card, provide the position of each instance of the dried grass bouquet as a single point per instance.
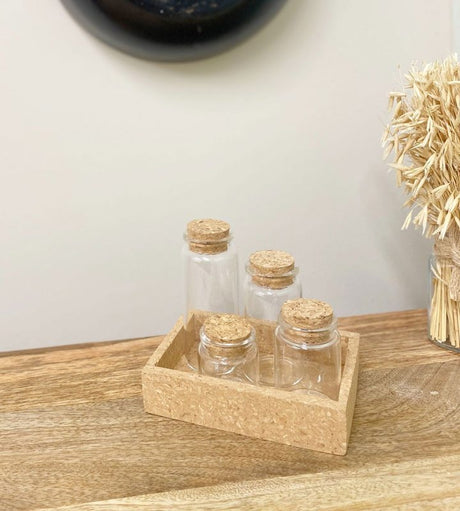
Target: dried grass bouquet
(424, 138)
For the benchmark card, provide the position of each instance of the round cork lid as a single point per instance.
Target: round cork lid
(308, 314)
(228, 328)
(271, 263)
(208, 230)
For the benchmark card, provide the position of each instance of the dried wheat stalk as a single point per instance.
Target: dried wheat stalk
(424, 138)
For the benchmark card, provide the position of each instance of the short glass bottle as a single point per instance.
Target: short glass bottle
(308, 348)
(271, 280)
(228, 349)
(211, 276)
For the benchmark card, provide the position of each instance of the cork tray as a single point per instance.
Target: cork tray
(171, 389)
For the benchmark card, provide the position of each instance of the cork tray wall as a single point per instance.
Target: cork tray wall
(171, 389)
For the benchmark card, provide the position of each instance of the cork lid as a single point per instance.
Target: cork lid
(271, 263)
(227, 328)
(208, 236)
(208, 229)
(307, 314)
(271, 268)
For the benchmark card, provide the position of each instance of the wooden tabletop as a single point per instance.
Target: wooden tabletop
(73, 433)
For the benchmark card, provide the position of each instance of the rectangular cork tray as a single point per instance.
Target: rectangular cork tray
(316, 422)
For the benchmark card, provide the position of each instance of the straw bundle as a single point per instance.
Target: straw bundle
(424, 138)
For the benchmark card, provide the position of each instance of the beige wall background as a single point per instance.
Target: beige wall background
(104, 158)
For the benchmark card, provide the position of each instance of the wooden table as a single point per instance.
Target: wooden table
(73, 432)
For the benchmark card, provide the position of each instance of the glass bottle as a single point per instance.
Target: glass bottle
(443, 309)
(228, 348)
(308, 348)
(271, 280)
(211, 276)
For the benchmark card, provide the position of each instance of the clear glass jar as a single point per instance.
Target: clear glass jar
(211, 276)
(308, 348)
(271, 279)
(228, 349)
(443, 311)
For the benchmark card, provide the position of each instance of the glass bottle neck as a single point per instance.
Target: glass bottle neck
(209, 246)
(304, 338)
(226, 349)
(272, 281)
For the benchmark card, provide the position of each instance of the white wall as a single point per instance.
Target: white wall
(104, 158)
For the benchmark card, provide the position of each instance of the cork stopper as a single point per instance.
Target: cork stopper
(208, 236)
(272, 268)
(307, 314)
(228, 329)
(308, 321)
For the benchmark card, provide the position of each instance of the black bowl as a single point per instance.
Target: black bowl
(172, 30)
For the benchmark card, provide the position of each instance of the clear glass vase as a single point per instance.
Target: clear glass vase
(443, 311)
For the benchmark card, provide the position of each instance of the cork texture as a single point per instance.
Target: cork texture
(271, 268)
(271, 263)
(306, 313)
(264, 331)
(208, 248)
(228, 328)
(208, 229)
(273, 282)
(303, 420)
(208, 236)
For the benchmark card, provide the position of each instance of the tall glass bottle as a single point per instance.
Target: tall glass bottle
(211, 277)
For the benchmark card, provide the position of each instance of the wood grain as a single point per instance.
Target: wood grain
(394, 340)
(73, 431)
(421, 485)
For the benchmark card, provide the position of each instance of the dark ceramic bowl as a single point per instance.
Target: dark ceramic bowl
(172, 30)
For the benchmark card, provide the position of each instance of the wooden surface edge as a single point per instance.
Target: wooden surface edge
(403, 484)
(76, 346)
(344, 323)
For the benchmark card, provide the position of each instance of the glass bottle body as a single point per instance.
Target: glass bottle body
(211, 285)
(308, 360)
(235, 361)
(264, 302)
